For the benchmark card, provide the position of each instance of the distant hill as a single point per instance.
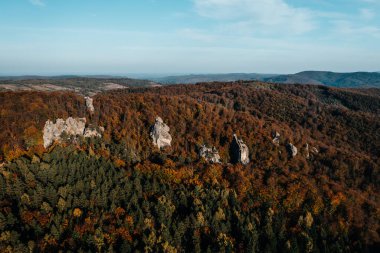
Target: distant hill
(88, 85)
(349, 80)
(355, 79)
(91, 84)
(199, 78)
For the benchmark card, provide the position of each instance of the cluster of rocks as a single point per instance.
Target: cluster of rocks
(293, 150)
(159, 132)
(306, 151)
(70, 127)
(209, 154)
(310, 150)
(239, 152)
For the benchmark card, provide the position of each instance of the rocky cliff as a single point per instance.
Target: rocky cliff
(209, 154)
(89, 104)
(159, 132)
(292, 150)
(276, 138)
(239, 151)
(71, 127)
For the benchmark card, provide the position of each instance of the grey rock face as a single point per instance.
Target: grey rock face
(310, 151)
(292, 150)
(91, 132)
(211, 155)
(70, 126)
(307, 152)
(160, 134)
(89, 104)
(239, 151)
(276, 138)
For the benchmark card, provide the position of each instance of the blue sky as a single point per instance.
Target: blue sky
(188, 36)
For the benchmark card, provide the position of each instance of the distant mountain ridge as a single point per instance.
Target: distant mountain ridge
(87, 85)
(198, 78)
(354, 79)
(328, 78)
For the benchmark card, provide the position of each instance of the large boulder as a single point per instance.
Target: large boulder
(276, 138)
(71, 126)
(211, 155)
(239, 151)
(310, 151)
(159, 132)
(292, 150)
(89, 104)
(307, 151)
(314, 150)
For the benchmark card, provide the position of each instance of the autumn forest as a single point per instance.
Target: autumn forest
(120, 193)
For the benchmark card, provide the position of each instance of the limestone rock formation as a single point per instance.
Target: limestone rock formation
(70, 126)
(211, 155)
(159, 132)
(91, 132)
(310, 151)
(292, 150)
(314, 150)
(239, 151)
(89, 104)
(276, 138)
(307, 152)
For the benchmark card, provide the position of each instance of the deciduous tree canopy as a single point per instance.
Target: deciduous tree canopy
(121, 193)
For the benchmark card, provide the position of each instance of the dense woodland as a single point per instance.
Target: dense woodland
(119, 193)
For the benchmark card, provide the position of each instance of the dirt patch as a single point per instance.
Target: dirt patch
(113, 86)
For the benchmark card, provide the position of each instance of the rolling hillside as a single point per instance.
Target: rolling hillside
(347, 80)
(118, 192)
(353, 80)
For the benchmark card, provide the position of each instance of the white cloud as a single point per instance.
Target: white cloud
(37, 2)
(347, 28)
(366, 14)
(258, 15)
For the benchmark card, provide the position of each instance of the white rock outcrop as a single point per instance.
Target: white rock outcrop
(89, 104)
(292, 149)
(159, 132)
(239, 151)
(276, 138)
(310, 151)
(314, 150)
(307, 152)
(91, 132)
(211, 155)
(71, 126)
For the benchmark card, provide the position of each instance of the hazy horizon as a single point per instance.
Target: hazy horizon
(159, 75)
(45, 37)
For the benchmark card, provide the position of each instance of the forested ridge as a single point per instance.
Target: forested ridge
(119, 193)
